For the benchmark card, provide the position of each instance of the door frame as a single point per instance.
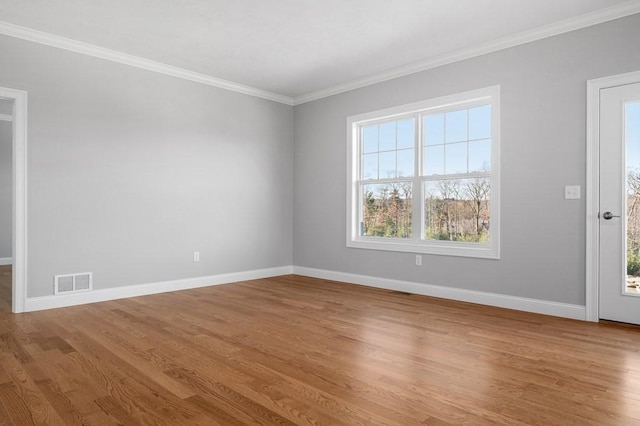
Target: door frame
(592, 191)
(19, 197)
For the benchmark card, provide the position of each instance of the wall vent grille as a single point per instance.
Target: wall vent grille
(72, 283)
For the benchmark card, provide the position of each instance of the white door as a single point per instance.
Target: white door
(619, 217)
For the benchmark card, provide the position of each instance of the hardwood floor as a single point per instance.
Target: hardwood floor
(295, 350)
(5, 288)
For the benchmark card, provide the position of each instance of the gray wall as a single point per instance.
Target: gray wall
(6, 107)
(130, 171)
(6, 179)
(543, 111)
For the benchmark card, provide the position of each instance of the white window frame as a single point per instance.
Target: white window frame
(416, 244)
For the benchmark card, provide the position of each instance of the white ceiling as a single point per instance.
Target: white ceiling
(292, 47)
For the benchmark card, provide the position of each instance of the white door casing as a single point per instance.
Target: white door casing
(615, 303)
(605, 239)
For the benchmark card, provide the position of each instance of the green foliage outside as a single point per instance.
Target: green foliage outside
(633, 261)
(455, 210)
(633, 223)
(458, 210)
(387, 210)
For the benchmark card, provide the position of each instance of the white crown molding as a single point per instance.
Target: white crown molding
(620, 11)
(537, 306)
(114, 293)
(29, 34)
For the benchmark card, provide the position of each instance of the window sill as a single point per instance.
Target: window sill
(442, 248)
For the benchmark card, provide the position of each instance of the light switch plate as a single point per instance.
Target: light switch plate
(572, 192)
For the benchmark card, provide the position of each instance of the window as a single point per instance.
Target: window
(424, 177)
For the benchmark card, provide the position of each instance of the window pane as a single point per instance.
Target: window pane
(456, 126)
(433, 128)
(632, 136)
(386, 210)
(457, 210)
(456, 158)
(632, 154)
(438, 148)
(480, 156)
(370, 166)
(406, 133)
(480, 122)
(433, 162)
(381, 159)
(405, 163)
(369, 139)
(387, 165)
(388, 136)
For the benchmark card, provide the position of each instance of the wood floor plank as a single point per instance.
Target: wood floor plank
(134, 358)
(295, 350)
(138, 395)
(19, 413)
(23, 394)
(61, 403)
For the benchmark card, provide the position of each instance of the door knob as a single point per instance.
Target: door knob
(608, 215)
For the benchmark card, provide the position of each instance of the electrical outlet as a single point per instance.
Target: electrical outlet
(418, 260)
(572, 192)
(196, 256)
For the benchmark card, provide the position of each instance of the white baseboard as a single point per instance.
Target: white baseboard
(557, 309)
(6, 261)
(492, 299)
(103, 295)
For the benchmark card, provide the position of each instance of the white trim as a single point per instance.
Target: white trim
(41, 37)
(557, 28)
(6, 117)
(491, 299)
(537, 306)
(597, 17)
(592, 192)
(6, 261)
(415, 244)
(19, 197)
(103, 295)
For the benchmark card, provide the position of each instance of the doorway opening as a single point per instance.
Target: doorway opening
(6, 203)
(17, 273)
